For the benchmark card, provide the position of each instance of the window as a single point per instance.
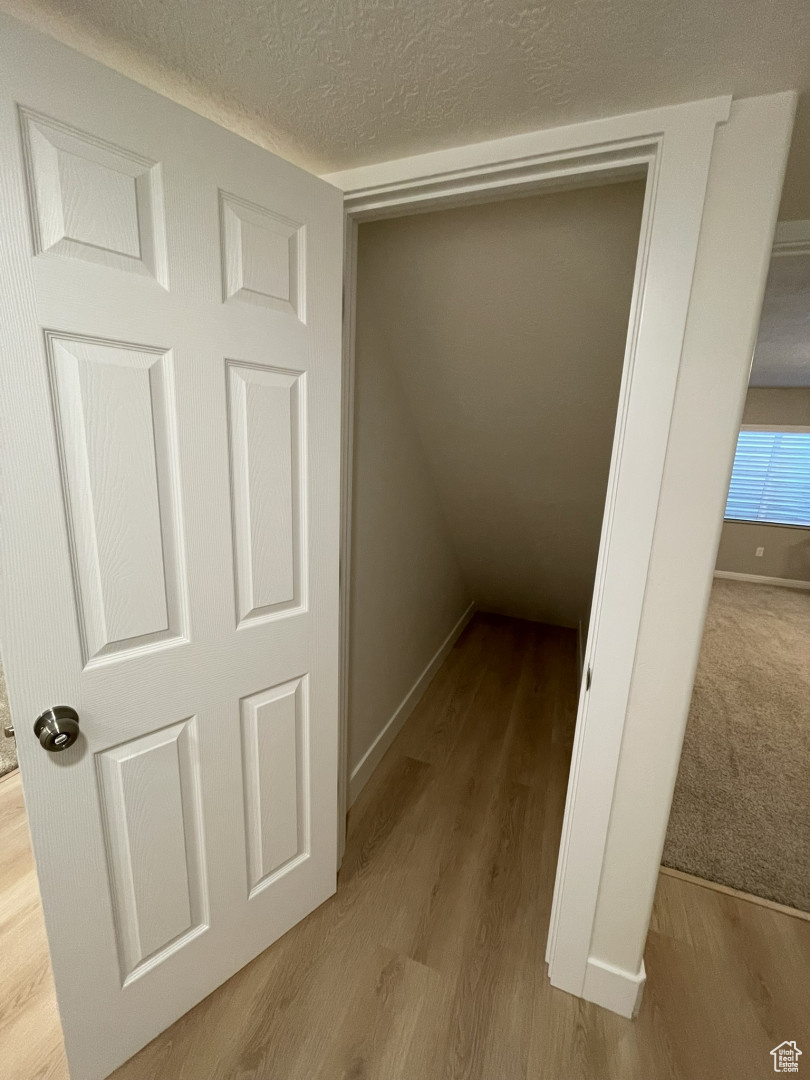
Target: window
(771, 478)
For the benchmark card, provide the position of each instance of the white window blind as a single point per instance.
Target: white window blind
(771, 478)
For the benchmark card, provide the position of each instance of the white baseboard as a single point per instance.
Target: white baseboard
(373, 756)
(758, 579)
(792, 238)
(613, 988)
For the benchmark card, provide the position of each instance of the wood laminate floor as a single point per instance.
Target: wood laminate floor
(428, 963)
(30, 1036)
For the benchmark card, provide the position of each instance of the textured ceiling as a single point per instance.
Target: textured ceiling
(336, 83)
(782, 355)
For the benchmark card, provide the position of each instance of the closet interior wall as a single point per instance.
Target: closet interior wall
(488, 357)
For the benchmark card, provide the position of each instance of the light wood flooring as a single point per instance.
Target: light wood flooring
(428, 963)
(30, 1036)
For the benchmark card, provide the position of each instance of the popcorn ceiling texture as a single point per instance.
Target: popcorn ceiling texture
(331, 84)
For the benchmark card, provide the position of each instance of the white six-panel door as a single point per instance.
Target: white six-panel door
(170, 460)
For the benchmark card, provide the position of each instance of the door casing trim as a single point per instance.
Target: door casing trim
(672, 148)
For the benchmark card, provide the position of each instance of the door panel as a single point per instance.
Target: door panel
(275, 731)
(170, 425)
(92, 200)
(150, 792)
(116, 447)
(262, 256)
(267, 431)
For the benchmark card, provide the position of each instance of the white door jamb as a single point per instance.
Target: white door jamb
(672, 147)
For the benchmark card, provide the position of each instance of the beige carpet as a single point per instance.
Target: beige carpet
(741, 812)
(8, 747)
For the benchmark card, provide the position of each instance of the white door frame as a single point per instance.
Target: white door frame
(672, 146)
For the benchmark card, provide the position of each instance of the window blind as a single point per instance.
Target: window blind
(770, 481)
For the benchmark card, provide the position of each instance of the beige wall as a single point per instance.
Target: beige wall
(407, 590)
(787, 550)
(782, 405)
(506, 324)
(786, 555)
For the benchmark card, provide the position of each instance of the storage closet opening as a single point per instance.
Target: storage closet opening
(488, 358)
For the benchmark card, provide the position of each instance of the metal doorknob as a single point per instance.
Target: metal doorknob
(57, 728)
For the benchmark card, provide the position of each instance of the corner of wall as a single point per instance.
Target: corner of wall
(361, 774)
